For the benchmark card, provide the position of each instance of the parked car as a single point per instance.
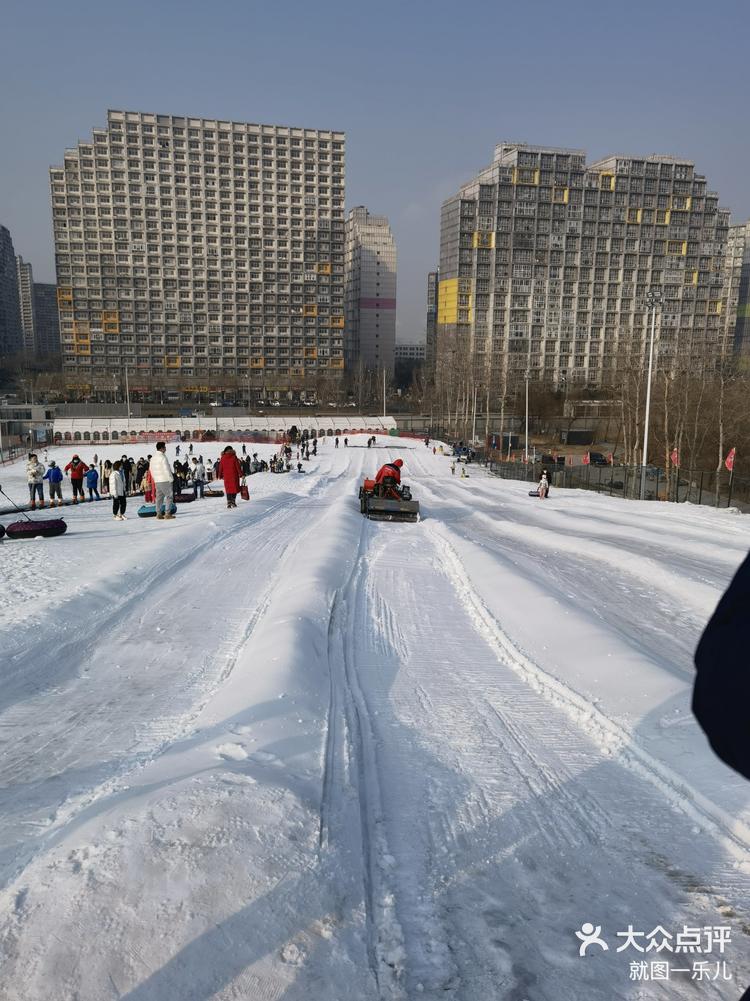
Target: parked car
(598, 459)
(551, 460)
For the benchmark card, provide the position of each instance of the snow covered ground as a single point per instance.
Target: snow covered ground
(284, 752)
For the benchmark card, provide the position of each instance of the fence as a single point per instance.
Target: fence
(708, 488)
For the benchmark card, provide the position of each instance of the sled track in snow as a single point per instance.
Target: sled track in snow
(614, 739)
(351, 747)
(162, 730)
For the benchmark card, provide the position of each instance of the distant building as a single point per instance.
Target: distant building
(26, 304)
(410, 352)
(214, 253)
(11, 331)
(46, 320)
(433, 281)
(370, 290)
(545, 262)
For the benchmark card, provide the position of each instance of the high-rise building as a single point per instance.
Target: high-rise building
(433, 279)
(11, 332)
(545, 263)
(46, 320)
(26, 304)
(192, 251)
(370, 290)
(738, 290)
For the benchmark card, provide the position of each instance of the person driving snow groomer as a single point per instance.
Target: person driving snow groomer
(391, 470)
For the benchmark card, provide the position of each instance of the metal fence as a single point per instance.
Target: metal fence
(708, 488)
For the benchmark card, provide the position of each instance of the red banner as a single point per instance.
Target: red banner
(729, 461)
(587, 459)
(611, 459)
(675, 457)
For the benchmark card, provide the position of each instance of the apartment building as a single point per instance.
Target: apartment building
(200, 253)
(545, 262)
(370, 290)
(738, 290)
(433, 279)
(26, 305)
(46, 320)
(11, 331)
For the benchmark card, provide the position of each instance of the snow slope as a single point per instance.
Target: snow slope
(284, 752)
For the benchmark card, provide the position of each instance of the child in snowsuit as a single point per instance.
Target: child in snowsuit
(92, 483)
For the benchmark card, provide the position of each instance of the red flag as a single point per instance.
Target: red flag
(611, 459)
(729, 461)
(675, 457)
(587, 459)
(569, 460)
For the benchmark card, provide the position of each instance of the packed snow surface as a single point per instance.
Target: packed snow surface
(286, 752)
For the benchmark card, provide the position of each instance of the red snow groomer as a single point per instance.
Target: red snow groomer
(385, 498)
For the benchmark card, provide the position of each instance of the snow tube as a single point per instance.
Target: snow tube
(184, 498)
(208, 492)
(2, 531)
(149, 510)
(46, 529)
(533, 493)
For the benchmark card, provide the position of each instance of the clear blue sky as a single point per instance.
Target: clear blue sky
(423, 90)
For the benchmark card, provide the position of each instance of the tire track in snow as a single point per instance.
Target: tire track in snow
(614, 739)
(92, 724)
(349, 717)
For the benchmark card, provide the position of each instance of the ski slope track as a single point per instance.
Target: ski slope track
(283, 752)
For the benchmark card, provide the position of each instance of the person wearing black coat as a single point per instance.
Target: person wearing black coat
(721, 697)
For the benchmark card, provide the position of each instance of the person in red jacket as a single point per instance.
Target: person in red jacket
(391, 471)
(230, 471)
(77, 470)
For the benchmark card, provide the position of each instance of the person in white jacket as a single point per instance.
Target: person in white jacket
(161, 473)
(199, 478)
(117, 492)
(34, 477)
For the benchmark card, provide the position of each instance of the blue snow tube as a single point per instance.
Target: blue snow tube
(149, 510)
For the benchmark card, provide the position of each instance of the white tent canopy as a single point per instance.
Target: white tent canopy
(104, 428)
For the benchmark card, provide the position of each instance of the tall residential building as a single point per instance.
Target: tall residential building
(545, 263)
(11, 332)
(738, 290)
(370, 290)
(46, 320)
(433, 279)
(26, 303)
(201, 251)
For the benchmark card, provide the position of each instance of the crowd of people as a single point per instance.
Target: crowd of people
(154, 477)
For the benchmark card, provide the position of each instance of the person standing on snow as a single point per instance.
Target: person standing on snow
(34, 478)
(230, 472)
(543, 488)
(161, 473)
(117, 492)
(76, 468)
(92, 483)
(337, 441)
(199, 478)
(54, 478)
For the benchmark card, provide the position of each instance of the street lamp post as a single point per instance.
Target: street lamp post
(653, 299)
